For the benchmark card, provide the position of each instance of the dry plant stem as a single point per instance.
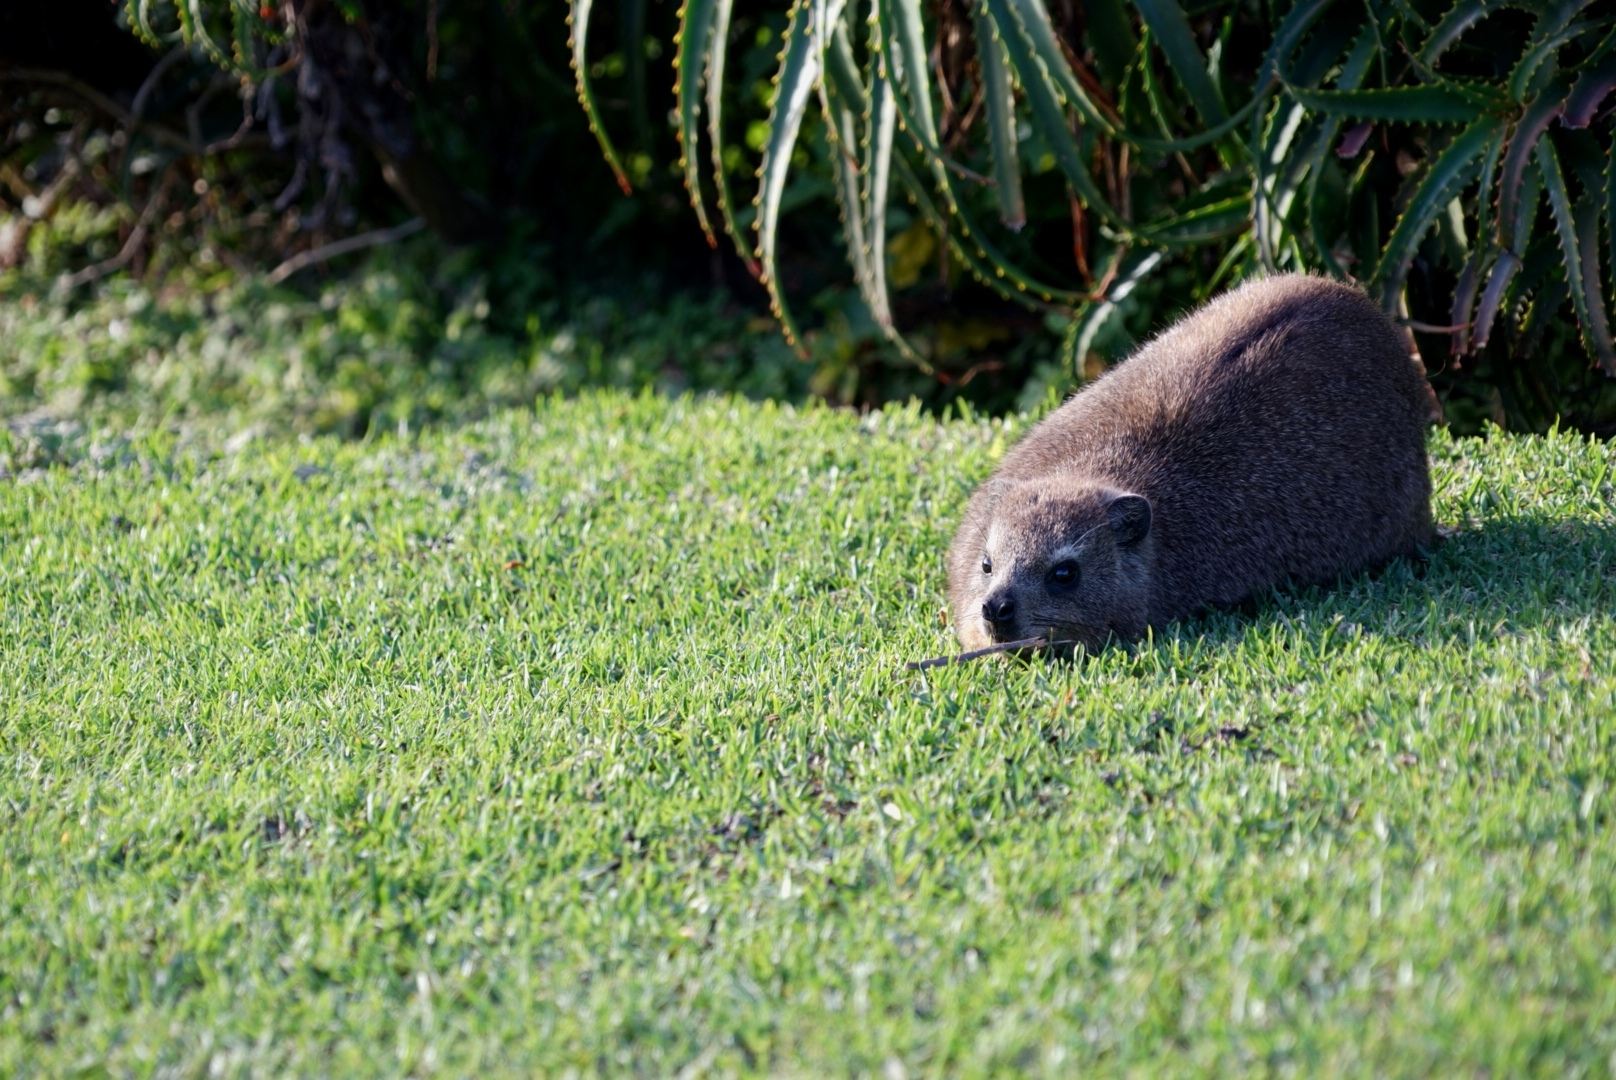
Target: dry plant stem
(318, 255)
(137, 236)
(977, 654)
(1080, 245)
(1432, 328)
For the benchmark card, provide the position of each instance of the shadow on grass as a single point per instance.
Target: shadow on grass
(1502, 575)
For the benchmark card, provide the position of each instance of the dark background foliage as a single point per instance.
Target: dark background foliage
(151, 165)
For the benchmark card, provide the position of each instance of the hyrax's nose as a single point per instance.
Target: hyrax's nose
(999, 609)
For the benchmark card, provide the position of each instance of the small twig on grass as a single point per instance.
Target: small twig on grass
(318, 255)
(977, 654)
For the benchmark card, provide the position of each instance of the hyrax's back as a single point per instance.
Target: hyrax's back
(1278, 433)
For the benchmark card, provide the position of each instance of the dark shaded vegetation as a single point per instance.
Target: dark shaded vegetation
(151, 188)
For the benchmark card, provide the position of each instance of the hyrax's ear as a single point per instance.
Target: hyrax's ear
(1129, 516)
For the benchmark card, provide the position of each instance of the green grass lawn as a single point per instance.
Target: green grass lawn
(580, 740)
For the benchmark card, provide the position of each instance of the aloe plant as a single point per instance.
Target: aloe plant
(1178, 154)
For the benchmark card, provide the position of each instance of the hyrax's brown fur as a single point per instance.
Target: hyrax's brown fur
(1275, 434)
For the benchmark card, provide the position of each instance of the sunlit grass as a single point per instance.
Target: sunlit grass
(580, 739)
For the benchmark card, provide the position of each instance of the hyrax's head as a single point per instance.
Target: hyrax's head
(1057, 559)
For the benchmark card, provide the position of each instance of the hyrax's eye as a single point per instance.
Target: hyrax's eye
(1064, 573)
(987, 565)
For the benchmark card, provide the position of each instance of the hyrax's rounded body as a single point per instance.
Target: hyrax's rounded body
(1278, 433)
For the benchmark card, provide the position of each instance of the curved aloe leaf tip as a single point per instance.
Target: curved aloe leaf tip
(578, 20)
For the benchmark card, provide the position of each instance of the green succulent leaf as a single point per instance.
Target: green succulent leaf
(1464, 293)
(1047, 113)
(1588, 213)
(1590, 91)
(695, 30)
(999, 92)
(800, 67)
(1539, 61)
(717, 51)
(1451, 170)
(1033, 19)
(1453, 25)
(1403, 104)
(1492, 298)
(1229, 217)
(578, 20)
(1522, 142)
(1581, 273)
(1353, 69)
(877, 179)
(1171, 30)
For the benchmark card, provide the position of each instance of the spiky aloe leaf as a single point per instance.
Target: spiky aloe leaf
(877, 178)
(978, 257)
(894, 52)
(1230, 217)
(1539, 263)
(862, 190)
(1493, 296)
(800, 66)
(1452, 26)
(1537, 62)
(1401, 104)
(1291, 30)
(842, 128)
(194, 30)
(695, 30)
(1588, 214)
(1111, 31)
(1450, 171)
(999, 92)
(1171, 30)
(1274, 175)
(1041, 43)
(1464, 293)
(1595, 330)
(1139, 266)
(1589, 93)
(1047, 112)
(1610, 204)
(1352, 73)
(1033, 19)
(1522, 141)
(984, 263)
(717, 51)
(578, 21)
(907, 37)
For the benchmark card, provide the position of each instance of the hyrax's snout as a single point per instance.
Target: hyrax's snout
(1000, 611)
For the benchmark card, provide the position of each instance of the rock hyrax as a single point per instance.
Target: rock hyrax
(1278, 433)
